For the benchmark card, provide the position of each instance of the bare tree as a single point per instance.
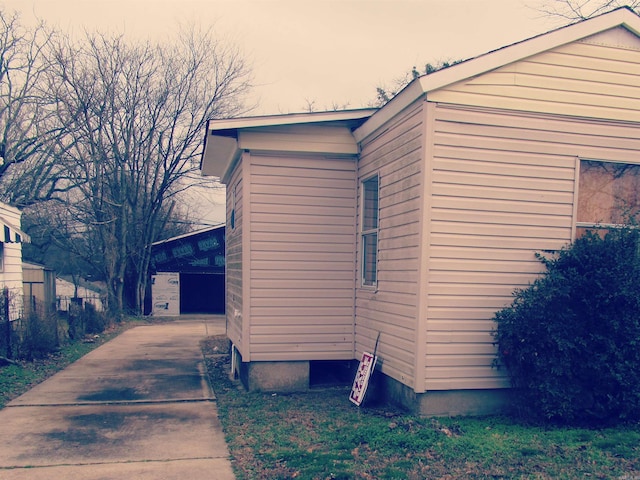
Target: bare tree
(134, 115)
(384, 93)
(27, 122)
(576, 10)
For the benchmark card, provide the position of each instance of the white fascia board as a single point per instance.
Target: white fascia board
(289, 119)
(527, 48)
(402, 100)
(221, 146)
(495, 59)
(185, 235)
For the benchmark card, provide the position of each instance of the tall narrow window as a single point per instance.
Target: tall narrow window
(608, 195)
(370, 231)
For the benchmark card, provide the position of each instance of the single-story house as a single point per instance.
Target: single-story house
(193, 265)
(11, 238)
(416, 221)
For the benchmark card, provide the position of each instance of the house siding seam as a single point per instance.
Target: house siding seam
(579, 79)
(245, 221)
(302, 138)
(425, 242)
(503, 189)
(391, 310)
(301, 261)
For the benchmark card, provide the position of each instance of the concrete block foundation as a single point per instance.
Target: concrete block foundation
(275, 376)
(444, 403)
(294, 376)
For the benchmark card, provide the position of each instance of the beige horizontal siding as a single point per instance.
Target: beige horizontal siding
(580, 79)
(294, 275)
(397, 155)
(11, 276)
(278, 323)
(233, 262)
(503, 189)
(301, 258)
(11, 273)
(527, 243)
(299, 138)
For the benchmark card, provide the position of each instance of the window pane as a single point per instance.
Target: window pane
(369, 256)
(609, 192)
(370, 204)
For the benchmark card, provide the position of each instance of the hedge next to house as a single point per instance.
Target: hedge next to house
(571, 341)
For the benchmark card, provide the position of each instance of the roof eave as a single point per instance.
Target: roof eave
(221, 147)
(289, 119)
(219, 154)
(403, 99)
(484, 63)
(421, 86)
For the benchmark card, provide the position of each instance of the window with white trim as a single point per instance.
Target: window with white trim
(369, 231)
(608, 195)
(1, 257)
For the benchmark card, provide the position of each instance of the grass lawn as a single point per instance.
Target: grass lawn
(322, 435)
(17, 379)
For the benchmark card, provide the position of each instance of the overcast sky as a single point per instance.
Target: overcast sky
(327, 52)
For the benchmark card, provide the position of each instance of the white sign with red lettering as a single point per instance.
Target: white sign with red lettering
(360, 383)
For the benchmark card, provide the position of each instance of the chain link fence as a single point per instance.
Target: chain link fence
(37, 331)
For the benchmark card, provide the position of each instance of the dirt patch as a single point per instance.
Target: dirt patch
(216, 345)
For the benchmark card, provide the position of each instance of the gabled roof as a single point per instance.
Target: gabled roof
(621, 17)
(221, 148)
(288, 119)
(189, 234)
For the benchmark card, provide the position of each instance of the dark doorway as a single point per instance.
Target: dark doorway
(202, 293)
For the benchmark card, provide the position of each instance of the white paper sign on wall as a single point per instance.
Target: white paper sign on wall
(165, 294)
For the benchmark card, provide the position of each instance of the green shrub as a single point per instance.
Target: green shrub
(94, 321)
(39, 336)
(571, 340)
(85, 319)
(75, 321)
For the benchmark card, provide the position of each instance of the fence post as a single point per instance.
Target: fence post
(5, 316)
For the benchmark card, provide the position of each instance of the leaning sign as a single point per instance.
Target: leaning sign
(367, 364)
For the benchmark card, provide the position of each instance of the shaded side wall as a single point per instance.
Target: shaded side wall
(233, 257)
(391, 309)
(302, 237)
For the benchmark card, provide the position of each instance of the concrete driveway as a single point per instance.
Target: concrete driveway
(138, 407)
